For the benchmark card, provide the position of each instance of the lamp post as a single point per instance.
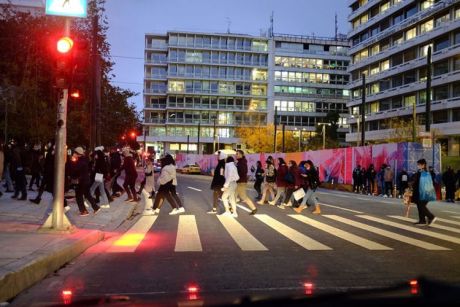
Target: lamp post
(324, 133)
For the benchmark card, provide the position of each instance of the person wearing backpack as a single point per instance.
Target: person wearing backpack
(280, 182)
(218, 180)
(293, 181)
(423, 192)
(311, 181)
(270, 179)
(259, 176)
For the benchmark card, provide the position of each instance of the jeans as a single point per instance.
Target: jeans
(230, 195)
(423, 211)
(280, 191)
(102, 193)
(309, 199)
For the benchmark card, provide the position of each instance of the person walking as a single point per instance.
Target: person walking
(403, 182)
(218, 180)
(79, 173)
(357, 179)
(101, 173)
(388, 176)
(174, 194)
(35, 168)
(230, 187)
(20, 180)
(149, 184)
(293, 182)
(270, 181)
(2, 163)
(165, 180)
(311, 182)
(423, 192)
(115, 165)
(448, 178)
(8, 172)
(280, 181)
(242, 167)
(371, 174)
(259, 179)
(381, 179)
(130, 176)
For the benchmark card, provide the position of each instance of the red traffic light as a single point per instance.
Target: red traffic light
(133, 134)
(64, 44)
(75, 94)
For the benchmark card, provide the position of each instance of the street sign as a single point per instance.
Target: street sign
(69, 8)
(426, 142)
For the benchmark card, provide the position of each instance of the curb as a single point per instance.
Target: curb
(36, 266)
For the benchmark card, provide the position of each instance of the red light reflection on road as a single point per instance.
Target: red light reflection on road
(67, 297)
(192, 291)
(414, 286)
(308, 287)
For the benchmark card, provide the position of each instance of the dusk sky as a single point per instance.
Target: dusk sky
(130, 20)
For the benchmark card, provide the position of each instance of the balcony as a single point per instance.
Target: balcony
(155, 76)
(150, 91)
(156, 62)
(162, 47)
(361, 9)
(155, 106)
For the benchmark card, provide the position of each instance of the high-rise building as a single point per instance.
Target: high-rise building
(199, 87)
(210, 84)
(34, 7)
(390, 40)
(308, 78)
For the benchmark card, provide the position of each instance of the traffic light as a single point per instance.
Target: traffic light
(80, 73)
(64, 57)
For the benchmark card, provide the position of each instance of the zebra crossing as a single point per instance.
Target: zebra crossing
(303, 231)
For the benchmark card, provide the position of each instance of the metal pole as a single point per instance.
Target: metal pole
(57, 220)
(324, 136)
(300, 138)
(214, 137)
(275, 123)
(284, 132)
(6, 121)
(188, 142)
(414, 123)
(363, 103)
(428, 92)
(199, 132)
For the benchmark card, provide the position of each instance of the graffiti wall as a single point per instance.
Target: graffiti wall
(337, 164)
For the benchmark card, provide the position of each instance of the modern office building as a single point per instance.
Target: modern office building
(213, 83)
(308, 78)
(202, 84)
(34, 7)
(389, 45)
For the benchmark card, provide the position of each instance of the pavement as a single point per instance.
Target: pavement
(27, 255)
(357, 243)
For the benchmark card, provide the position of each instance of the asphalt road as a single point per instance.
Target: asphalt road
(359, 242)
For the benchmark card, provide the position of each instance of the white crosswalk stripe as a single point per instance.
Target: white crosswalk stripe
(292, 234)
(456, 217)
(188, 239)
(448, 221)
(370, 245)
(407, 219)
(245, 240)
(412, 229)
(129, 242)
(344, 209)
(388, 234)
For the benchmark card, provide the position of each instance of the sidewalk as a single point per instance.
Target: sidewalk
(27, 256)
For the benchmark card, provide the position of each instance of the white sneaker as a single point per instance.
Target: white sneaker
(271, 203)
(226, 213)
(235, 215)
(289, 204)
(385, 196)
(174, 212)
(181, 210)
(106, 206)
(86, 204)
(156, 211)
(212, 212)
(281, 206)
(66, 208)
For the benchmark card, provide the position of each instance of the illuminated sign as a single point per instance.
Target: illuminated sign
(69, 8)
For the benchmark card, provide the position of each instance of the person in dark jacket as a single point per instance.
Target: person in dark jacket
(448, 178)
(218, 180)
(357, 179)
(79, 173)
(20, 174)
(242, 167)
(403, 180)
(35, 169)
(115, 165)
(293, 182)
(423, 212)
(270, 180)
(371, 174)
(8, 172)
(280, 181)
(130, 176)
(100, 173)
(310, 182)
(259, 175)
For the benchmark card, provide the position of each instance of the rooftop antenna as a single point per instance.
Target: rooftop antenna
(271, 26)
(336, 26)
(229, 23)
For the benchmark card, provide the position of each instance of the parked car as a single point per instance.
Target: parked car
(191, 169)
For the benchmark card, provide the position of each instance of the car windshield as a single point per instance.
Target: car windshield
(229, 152)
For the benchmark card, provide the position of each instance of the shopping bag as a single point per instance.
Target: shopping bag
(99, 177)
(299, 194)
(426, 187)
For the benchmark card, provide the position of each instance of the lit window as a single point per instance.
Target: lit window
(375, 69)
(457, 13)
(424, 50)
(426, 4)
(385, 6)
(410, 34)
(384, 65)
(426, 26)
(375, 49)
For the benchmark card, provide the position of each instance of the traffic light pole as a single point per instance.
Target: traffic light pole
(58, 221)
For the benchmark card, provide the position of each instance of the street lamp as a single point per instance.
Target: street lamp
(324, 132)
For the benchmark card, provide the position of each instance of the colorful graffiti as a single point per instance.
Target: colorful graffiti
(336, 165)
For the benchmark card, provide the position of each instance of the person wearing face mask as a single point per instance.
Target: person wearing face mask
(423, 192)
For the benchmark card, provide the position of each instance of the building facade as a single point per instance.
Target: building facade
(389, 45)
(199, 87)
(308, 79)
(211, 84)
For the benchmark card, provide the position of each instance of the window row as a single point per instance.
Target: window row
(214, 87)
(305, 121)
(302, 106)
(310, 63)
(206, 118)
(301, 90)
(210, 102)
(220, 72)
(218, 42)
(190, 131)
(291, 76)
(311, 48)
(216, 57)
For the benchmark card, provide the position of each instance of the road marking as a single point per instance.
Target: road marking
(450, 211)
(195, 189)
(385, 233)
(292, 234)
(412, 229)
(349, 210)
(129, 242)
(456, 217)
(188, 239)
(244, 208)
(402, 218)
(371, 245)
(447, 221)
(242, 237)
